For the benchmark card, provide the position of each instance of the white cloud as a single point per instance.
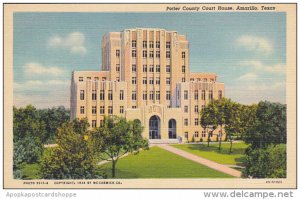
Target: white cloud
(254, 43)
(74, 42)
(259, 66)
(38, 85)
(39, 69)
(42, 94)
(248, 77)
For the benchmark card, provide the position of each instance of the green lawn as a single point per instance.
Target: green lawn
(212, 152)
(159, 163)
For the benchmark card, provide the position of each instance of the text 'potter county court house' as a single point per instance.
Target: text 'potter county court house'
(145, 75)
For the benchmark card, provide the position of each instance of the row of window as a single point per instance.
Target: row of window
(203, 134)
(151, 81)
(151, 68)
(89, 78)
(196, 108)
(151, 54)
(151, 44)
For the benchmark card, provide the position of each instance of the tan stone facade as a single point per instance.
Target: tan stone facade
(145, 75)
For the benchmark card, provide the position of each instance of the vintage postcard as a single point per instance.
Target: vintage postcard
(150, 96)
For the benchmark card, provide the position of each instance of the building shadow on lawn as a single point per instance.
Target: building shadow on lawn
(215, 148)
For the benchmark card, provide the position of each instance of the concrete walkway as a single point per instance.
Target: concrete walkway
(203, 161)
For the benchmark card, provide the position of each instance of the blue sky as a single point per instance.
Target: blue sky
(246, 50)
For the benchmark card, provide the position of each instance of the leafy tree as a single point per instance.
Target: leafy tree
(117, 137)
(209, 119)
(269, 125)
(73, 158)
(53, 118)
(27, 123)
(267, 162)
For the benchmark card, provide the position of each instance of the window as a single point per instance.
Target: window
(151, 55)
(133, 95)
(103, 78)
(94, 110)
(157, 95)
(151, 69)
(96, 79)
(81, 94)
(151, 80)
(205, 79)
(81, 79)
(157, 44)
(186, 135)
(144, 54)
(151, 97)
(101, 109)
(81, 109)
(121, 109)
(144, 68)
(117, 53)
(168, 68)
(101, 122)
(196, 134)
(101, 95)
(183, 69)
(168, 54)
(133, 53)
(196, 121)
(110, 95)
(117, 79)
(94, 123)
(192, 79)
(110, 110)
(186, 109)
(183, 55)
(144, 80)
(168, 80)
(94, 95)
(157, 54)
(157, 80)
(144, 44)
(198, 79)
(203, 106)
(118, 67)
(196, 109)
(133, 44)
(88, 78)
(133, 68)
(203, 95)
(186, 122)
(168, 95)
(121, 94)
(186, 95)
(196, 94)
(144, 95)
(212, 79)
(220, 94)
(157, 68)
(168, 45)
(203, 134)
(151, 44)
(210, 94)
(133, 80)
(183, 79)
(134, 107)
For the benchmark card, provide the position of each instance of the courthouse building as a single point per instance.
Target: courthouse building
(145, 75)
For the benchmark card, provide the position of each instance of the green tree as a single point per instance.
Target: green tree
(209, 119)
(117, 137)
(73, 158)
(53, 118)
(268, 127)
(267, 162)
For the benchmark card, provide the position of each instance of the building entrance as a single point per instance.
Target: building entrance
(154, 127)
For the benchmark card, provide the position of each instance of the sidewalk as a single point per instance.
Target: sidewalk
(203, 161)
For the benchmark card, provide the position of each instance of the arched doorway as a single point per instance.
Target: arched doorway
(172, 129)
(154, 127)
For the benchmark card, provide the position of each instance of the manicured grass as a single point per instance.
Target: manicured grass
(159, 163)
(212, 152)
(30, 171)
